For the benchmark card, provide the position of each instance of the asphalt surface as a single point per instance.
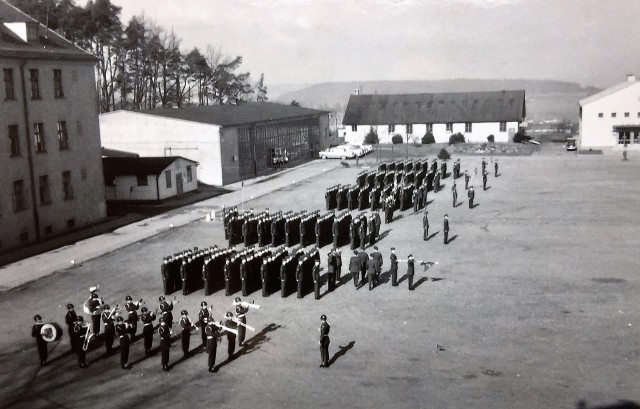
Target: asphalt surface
(532, 305)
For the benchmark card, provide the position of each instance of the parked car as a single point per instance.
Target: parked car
(571, 144)
(337, 152)
(356, 148)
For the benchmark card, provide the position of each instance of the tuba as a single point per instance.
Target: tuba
(90, 307)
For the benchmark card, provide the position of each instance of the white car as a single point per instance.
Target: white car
(359, 150)
(338, 152)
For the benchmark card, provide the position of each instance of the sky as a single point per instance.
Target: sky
(591, 42)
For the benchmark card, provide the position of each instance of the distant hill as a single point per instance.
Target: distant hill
(545, 99)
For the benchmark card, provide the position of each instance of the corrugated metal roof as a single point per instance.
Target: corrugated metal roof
(232, 115)
(129, 166)
(51, 45)
(495, 106)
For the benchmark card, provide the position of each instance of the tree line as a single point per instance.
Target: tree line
(140, 64)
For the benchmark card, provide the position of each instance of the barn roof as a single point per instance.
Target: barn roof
(50, 45)
(128, 166)
(494, 106)
(233, 115)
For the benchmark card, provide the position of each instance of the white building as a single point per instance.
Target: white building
(148, 179)
(476, 115)
(612, 117)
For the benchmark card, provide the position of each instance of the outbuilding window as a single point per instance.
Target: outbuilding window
(409, 129)
(142, 180)
(503, 127)
(449, 126)
(189, 174)
(468, 127)
(167, 175)
(429, 127)
(354, 128)
(392, 128)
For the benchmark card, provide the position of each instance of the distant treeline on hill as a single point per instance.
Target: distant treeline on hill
(334, 96)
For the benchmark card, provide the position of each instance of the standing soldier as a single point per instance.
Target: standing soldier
(212, 332)
(363, 233)
(41, 344)
(241, 315)
(484, 180)
(70, 319)
(436, 182)
(203, 318)
(353, 234)
(184, 275)
(411, 271)
(80, 332)
(231, 337)
(363, 257)
(122, 331)
(371, 273)
(484, 165)
(471, 195)
(324, 341)
(394, 267)
(299, 277)
(378, 261)
(132, 310)
(186, 325)
(416, 201)
(495, 167)
(371, 227)
(331, 270)
(316, 279)
(445, 228)
(425, 193)
(335, 231)
(109, 327)
(425, 225)
(165, 343)
(338, 256)
(466, 179)
(354, 267)
(378, 222)
(164, 271)
(454, 193)
(147, 319)
(264, 276)
(166, 308)
(95, 306)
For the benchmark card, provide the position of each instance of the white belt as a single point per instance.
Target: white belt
(148, 323)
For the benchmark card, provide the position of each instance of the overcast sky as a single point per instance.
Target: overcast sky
(592, 42)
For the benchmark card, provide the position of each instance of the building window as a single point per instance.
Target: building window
(35, 84)
(636, 137)
(19, 196)
(142, 180)
(9, 91)
(449, 126)
(430, 128)
(600, 115)
(503, 127)
(624, 138)
(468, 127)
(626, 115)
(45, 194)
(354, 128)
(67, 187)
(38, 137)
(392, 128)
(14, 140)
(409, 129)
(63, 135)
(57, 84)
(613, 115)
(167, 176)
(189, 174)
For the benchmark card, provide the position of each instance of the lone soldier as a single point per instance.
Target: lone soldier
(316, 279)
(165, 343)
(147, 319)
(471, 195)
(467, 177)
(80, 332)
(454, 192)
(203, 318)
(354, 267)
(484, 180)
(41, 344)
(70, 319)
(425, 225)
(410, 270)
(495, 167)
(241, 315)
(186, 325)
(212, 333)
(109, 328)
(324, 341)
(445, 228)
(338, 256)
(394, 267)
(123, 333)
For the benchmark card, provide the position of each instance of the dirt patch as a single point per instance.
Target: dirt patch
(608, 280)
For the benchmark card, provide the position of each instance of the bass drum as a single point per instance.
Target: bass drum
(51, 332)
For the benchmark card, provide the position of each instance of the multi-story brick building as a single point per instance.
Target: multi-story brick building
(50, 163)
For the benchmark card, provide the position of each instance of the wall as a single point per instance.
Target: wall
(149, 135)
(78, 108)
(177, 167)
(598, 132)
(480, 132)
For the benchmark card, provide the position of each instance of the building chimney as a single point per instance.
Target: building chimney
(356, 91)
(631, 78)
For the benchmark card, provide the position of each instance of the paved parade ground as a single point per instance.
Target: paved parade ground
(534, 304)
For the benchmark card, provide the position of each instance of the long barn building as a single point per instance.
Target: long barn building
(476, 115)
(229, 142)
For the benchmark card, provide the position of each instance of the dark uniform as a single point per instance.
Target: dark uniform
(166, 308)
(466, 179)
(394, 268)
(371, 227)
(203, 318)
(454, 193)
(371, 273)
(241, 315)
(377, 223)
(363, 234)
(95, 305)
(484, 180)
(165, 343)
(425, 225)
(363, 258)
(335, 230)
(132, 309)
(410, 271)
(299, 277)
(354, 268)
(231, 337)
(445, 228)
(264, 277)
(495, 167)
(166, 280)
(185, 324)
(184, 275)
(80, 332)
(316, 280)
(378, 262)
(331, 271)
(109, 328)
(123, 333)
(212, 333)
(41, 344)
(338, 256)
(324, 342)
(71, 319)
(471, 194)
(147, 319)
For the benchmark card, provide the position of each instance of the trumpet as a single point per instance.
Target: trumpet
(237, 321)
(247, 304)
(113, 312)
(88, 336)
(219, 325)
